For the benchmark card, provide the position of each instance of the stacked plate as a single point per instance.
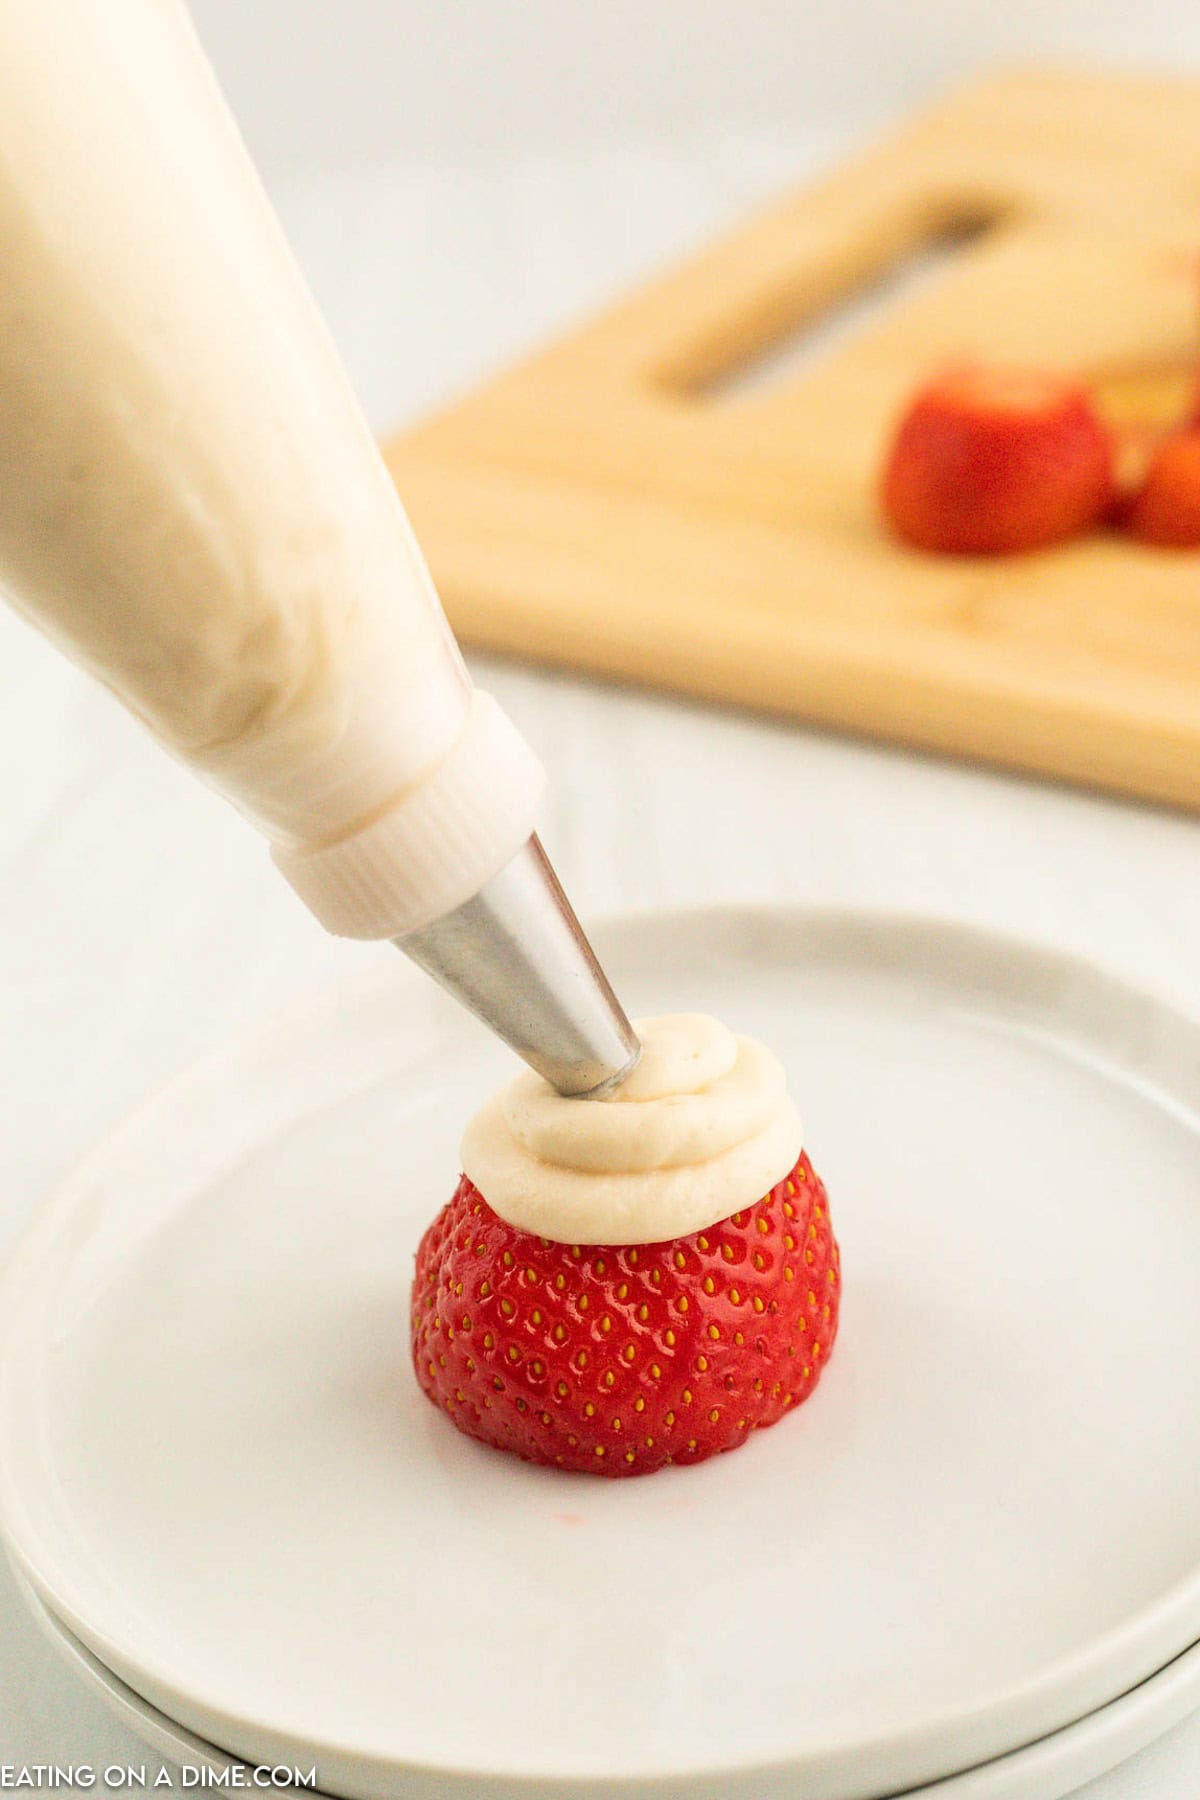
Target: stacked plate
(970, 1565)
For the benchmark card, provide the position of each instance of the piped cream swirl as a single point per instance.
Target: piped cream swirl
(702, 1127)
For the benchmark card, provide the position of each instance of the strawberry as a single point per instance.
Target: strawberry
(1165, 510)
(989, 461)
(618, 1361)
(1135, 447)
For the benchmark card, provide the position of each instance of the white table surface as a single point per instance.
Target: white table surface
(141, 924)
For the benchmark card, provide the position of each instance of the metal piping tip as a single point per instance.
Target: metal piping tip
(515, 955)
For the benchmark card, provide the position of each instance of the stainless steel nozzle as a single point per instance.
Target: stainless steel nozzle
(516, 956)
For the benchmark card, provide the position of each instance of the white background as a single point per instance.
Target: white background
(458, 178)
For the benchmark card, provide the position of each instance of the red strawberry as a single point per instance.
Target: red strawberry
(989, 461)
(617, 1361)
(1135, 447)
(1166, 508)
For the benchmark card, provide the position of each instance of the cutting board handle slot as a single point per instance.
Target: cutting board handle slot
(857, 271)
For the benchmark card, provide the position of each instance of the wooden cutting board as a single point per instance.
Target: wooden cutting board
(609, 505)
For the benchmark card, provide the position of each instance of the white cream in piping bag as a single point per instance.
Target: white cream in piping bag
(191, 502)
(702, 1128)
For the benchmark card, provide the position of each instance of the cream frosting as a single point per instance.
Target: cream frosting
(702, 1127)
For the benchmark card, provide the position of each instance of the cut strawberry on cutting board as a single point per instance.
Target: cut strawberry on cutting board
(1165, 510)
(991, 462)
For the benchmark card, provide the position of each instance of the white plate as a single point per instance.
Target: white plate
(216, 1469)
(172, 1741)
(1047, 1770)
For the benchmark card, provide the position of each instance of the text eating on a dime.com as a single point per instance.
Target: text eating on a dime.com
(133, 1776)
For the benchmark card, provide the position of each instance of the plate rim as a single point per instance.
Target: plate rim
(1171, 1693)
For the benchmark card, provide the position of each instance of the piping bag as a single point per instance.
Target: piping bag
(193, 507)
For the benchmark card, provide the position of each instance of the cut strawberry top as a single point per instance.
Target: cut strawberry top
(980, 390)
